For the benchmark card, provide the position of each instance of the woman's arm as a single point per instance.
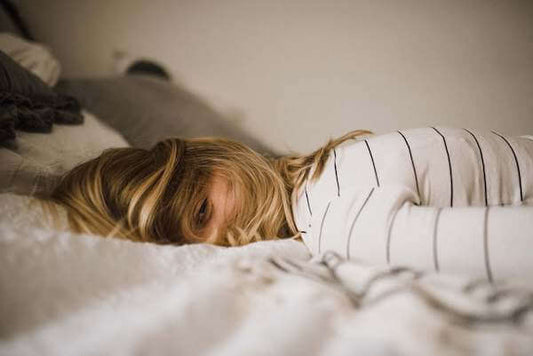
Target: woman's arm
(383, 225)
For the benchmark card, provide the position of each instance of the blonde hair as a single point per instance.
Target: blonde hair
(155, 195)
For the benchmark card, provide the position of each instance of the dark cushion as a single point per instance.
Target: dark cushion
(147, 109)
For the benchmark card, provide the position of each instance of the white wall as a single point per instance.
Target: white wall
(297, 72)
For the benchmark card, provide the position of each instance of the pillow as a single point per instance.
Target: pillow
(32, 163)
(148, 109)
(34, 56)
(29, 104)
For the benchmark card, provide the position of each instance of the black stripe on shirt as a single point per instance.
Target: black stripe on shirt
(516, 161)
(412, 164)
(336, 174)
(321, 228)
(482, 166)
(449, 164)
(435, 246)
(486, 245)
(353, 223)
(373, 163)
(308, 204)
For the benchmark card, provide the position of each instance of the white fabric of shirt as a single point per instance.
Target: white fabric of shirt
(448, 199)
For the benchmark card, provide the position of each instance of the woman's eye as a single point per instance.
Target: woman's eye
(202, 213)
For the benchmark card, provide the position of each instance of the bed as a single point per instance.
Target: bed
(63, 293)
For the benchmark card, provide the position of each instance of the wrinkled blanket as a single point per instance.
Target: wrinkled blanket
(68, 294)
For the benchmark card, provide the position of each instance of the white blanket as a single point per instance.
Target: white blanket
(68, 294)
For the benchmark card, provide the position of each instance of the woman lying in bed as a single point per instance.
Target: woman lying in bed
(410, 197)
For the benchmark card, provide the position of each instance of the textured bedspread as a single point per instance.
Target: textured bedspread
(68, 294)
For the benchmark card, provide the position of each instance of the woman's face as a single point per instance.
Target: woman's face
(217, 209)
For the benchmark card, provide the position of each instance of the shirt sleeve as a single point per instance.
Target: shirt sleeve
(383, 225)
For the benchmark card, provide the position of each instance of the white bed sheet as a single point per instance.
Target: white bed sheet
(68, 294)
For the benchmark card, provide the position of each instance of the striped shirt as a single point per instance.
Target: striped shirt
(448, 199)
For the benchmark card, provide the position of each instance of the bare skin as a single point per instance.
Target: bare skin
(220, 206)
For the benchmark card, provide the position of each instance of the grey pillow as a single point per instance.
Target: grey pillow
(147, 109)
